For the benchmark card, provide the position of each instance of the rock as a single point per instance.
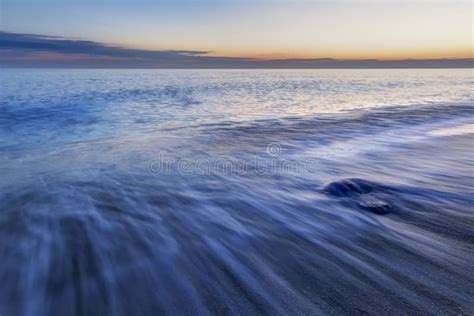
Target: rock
(349, 187)
(374, 205)
(363, 194)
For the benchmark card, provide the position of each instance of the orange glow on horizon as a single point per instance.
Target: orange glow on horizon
(460, 54)
(455, 53)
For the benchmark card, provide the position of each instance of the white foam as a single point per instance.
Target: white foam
(457, 130)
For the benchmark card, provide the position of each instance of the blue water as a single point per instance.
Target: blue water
(140, 192)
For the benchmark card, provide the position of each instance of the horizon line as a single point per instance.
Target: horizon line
(23, 50)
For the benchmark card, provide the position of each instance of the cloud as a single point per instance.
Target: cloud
(32, 50)
(41, 43)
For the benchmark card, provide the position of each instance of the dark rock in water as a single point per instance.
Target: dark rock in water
(374, 205)
(349, 187)
(361, 193)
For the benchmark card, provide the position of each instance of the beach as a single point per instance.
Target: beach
(138, 192)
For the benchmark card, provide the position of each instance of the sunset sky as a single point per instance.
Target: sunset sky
(262, 29)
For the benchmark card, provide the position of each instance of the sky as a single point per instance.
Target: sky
(211, 31)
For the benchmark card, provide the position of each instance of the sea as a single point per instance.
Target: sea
(236, 192)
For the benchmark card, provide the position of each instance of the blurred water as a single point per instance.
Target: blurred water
(139, 192)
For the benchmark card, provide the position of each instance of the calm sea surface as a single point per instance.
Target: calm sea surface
(140, 192)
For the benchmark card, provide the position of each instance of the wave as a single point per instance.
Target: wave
(125, 247)
(113, 240)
